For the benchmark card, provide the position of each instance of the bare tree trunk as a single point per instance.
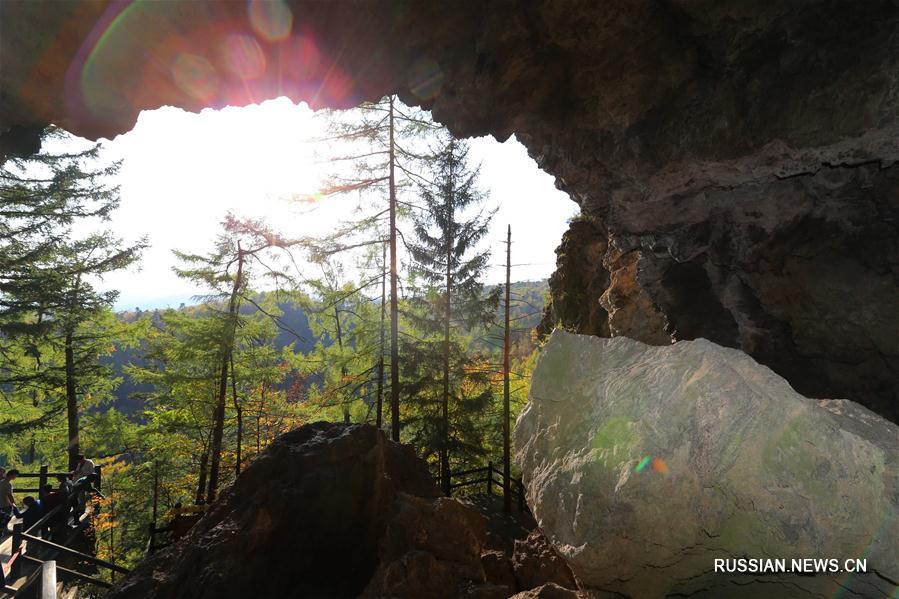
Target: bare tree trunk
(239, 412)
(444, 444)
(112, 528)
(218, 428)
(380, 400)
(259, 418)
(201, 483)
(219, 415)
(71, 401)
(343, 373)
(394, 302)
(507, 460)
(444, 418)
(74, 443)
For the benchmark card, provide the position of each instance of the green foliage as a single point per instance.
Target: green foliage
(344, 362)
(173, 361)
(446, 385)
(54, 322)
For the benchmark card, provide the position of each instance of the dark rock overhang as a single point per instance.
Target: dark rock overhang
(734, 158)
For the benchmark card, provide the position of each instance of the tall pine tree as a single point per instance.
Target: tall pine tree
(443, 372)
(52, 324)
(379, 159)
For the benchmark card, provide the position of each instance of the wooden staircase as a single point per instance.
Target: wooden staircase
(25, 556)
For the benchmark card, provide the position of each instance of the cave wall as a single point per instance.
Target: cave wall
(735, 161)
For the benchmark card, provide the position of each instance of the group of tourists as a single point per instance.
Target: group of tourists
(71, 492)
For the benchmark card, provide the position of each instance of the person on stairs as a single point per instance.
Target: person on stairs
(7, 501)
(34, 511)
(84, 469)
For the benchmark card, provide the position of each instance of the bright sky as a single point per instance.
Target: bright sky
(182, 172)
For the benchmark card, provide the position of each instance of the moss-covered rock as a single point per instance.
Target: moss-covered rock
(645, 464)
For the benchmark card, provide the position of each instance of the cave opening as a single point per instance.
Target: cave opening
(653, 145)
(182, 173)
(728, 360)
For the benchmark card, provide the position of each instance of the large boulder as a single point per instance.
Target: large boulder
(646, 464)
(334, 510)
(431, 548)
(323, 509)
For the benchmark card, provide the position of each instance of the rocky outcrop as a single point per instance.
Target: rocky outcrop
(332, 510)
(643, 465)
(550, 591)
(535, 563)
(327, 511)
(432, 549)
(802, 273)
(736, 162)
(304, 519)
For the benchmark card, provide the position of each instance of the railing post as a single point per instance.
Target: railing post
(48, 580)
(489, 478)
(42, 481)
(17, 548)
(98, 472)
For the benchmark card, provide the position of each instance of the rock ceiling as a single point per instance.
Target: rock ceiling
(734, 160)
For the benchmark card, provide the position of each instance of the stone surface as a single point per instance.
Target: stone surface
(498, 569)
(735, 161)
(430, 549)
(304, 519)
(801, 273)
(536, 563)
(548, 591)
(333, 510)
(643, 464)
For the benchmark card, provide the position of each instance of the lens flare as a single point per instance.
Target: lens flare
(195, 76)
(300, 57)
(140, 53)
(425, 79)
(271, 19)
(244, 56)
(845, 585)
(659, 465)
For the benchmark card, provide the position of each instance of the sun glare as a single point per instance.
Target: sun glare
(183, 172)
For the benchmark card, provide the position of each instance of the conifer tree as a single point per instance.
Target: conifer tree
(41, 197)
(50, 309)
(344, 360)
(181, 367)
(379, 141)
(77, 317)
(226, 271)
(450, 266)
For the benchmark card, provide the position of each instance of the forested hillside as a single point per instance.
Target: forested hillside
(129, 396)
(386, 321)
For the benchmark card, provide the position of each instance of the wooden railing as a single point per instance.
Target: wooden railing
(492, 478)
(21, 539)
(43, 477)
